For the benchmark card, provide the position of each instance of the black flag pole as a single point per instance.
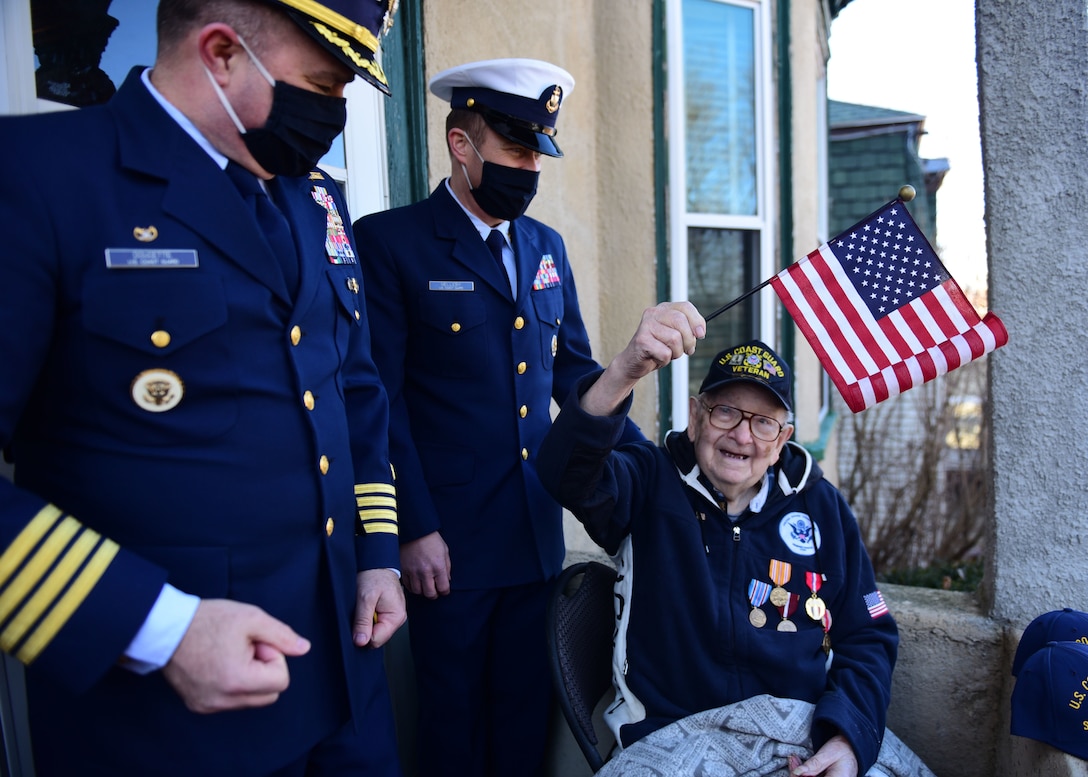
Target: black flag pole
(738, 300)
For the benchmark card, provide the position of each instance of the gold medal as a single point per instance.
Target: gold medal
(787, 625)
(780, 575)
(757, 618)
(815, 608)
(827, 643)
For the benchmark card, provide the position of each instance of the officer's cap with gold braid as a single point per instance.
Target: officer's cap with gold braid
(349, 29)
(518, 98)
(751, 362)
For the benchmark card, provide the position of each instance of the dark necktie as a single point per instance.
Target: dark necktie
(495, 241)
(271, 221)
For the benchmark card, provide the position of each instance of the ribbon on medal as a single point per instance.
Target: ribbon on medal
(758, 592)
(815, 606)
(780, 572)
(788, 608)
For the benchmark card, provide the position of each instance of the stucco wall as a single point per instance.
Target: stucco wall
(1033, 77)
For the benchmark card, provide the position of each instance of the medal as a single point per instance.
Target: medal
(815, 606)
(787, 609)
(827, 632)
(780, 575)
(757, 595)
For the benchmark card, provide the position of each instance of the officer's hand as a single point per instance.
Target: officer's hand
(379, 607)
(425, 566)
(835, 759)
(232, 656)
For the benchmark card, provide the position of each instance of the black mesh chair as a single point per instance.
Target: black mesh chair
(581, 624)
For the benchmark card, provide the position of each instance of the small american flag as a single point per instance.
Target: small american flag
(881, 311)
(876, 605)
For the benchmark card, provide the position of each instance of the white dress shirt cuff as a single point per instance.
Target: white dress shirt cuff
(161, 633)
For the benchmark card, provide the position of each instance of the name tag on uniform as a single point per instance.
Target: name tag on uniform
(150, 258)
(451, 285)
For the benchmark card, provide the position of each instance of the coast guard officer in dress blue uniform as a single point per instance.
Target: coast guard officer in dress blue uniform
(198, 555)
(480, 329)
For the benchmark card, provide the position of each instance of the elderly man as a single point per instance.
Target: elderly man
(741, 570)
(203, 518)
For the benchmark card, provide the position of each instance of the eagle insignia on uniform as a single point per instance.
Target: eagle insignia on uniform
(157, 390)
(145, 234)
(546, 275)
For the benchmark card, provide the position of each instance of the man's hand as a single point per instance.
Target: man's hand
(379, 607)
(232, 656)
(666, 332)
(425, 566)
(835, 759)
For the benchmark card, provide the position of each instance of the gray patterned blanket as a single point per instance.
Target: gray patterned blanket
(752, 738)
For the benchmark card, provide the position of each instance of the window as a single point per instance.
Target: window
(720, 172)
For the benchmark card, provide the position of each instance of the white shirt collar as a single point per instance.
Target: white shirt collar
(183, 121)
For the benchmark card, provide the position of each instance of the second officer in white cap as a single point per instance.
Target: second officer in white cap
(476, 328)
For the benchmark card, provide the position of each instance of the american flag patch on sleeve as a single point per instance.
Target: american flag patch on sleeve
(876, 605)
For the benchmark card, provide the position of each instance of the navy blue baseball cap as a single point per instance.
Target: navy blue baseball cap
(518, 98)
(350, 30)
(751, 362)
(1050, 700)
(1065, 625)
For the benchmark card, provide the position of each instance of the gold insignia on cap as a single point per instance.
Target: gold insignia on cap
(157, 390)
(145, 234)
(553, 102)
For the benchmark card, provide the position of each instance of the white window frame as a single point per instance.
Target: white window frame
(680, 219)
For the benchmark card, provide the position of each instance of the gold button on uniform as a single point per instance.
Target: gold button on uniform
(308, 400)
(524, 411)
(323, 464)
(519, 323)
(522, 367)
(296, 335)
(329, 526)
(356, 315)
(160, 338)
(455, 327)
(525, 454)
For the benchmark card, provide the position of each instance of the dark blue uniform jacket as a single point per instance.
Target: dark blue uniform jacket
(471, 373)
(266, 481)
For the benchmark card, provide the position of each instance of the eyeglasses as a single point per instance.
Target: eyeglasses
(725, 418)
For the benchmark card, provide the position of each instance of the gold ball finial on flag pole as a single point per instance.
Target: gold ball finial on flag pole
(906, 193)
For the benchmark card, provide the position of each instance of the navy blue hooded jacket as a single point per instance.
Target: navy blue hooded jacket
(684, 640)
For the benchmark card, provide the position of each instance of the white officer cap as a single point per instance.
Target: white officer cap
(518, 98)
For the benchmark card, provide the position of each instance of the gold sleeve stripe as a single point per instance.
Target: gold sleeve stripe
(30, 536)
(36, 568)
(361, 489)
(30, 612)
(376, 501)
(380, 527)
(378, 515)
(73, 597)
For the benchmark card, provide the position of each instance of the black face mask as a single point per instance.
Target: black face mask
(504, 192)
(300, 127)
(299, 130)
